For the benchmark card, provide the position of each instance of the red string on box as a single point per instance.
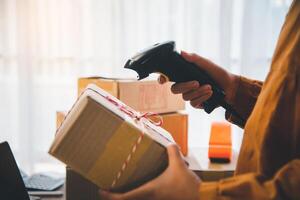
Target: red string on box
(134, 114)
(138, 117)
(131, 113)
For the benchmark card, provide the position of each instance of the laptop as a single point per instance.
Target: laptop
(12, 186)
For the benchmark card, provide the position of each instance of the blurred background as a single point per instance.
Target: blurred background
(45, 45)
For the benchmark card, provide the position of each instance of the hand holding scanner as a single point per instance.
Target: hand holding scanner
(164, 59)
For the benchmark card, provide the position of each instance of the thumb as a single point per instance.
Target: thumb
(108, 196)
(175, 157)
(162, 79)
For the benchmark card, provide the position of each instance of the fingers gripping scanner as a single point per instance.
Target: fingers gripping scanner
(164, 59)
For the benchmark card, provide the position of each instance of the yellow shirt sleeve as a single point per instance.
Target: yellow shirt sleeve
(245, 99)
(284, 185)
(269, 163)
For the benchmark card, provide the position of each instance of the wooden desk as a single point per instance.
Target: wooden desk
(199, 163)
(55, 198)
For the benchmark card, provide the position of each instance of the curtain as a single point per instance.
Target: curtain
(45, 45)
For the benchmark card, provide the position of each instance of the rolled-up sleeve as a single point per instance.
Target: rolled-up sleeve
(244, 99)
(284, 185)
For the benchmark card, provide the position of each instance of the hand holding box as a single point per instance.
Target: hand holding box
(109, 143)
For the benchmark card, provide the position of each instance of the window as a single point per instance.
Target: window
(46, 45)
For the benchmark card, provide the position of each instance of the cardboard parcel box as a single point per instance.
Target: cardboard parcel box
(79, 188)
(175, 123)
(143, 96)
(109, 143)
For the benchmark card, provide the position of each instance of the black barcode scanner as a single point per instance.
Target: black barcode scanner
(164, 59)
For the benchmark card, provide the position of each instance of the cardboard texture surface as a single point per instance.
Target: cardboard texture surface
(60, 116)
(175, 123)
(143, 96)
(79, 188)
(116, 151)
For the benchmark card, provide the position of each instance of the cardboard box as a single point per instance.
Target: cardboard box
(143, 96)
(175, 123)
(79, 188)
(118, 150)
(60, 116)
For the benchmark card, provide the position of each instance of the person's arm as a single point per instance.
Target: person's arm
(178, 182)
(240, 91)
(284, 185)
(244, 99)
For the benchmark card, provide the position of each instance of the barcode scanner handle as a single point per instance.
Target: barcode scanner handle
(181, 70)
(163, 58)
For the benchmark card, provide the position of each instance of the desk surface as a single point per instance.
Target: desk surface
(198, 161)
(55, 197)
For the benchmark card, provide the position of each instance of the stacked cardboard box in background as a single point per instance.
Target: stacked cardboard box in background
(143, 96)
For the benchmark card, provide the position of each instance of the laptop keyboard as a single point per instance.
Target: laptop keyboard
(43, 182)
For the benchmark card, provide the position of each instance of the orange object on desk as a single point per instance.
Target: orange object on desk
(220, 145)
